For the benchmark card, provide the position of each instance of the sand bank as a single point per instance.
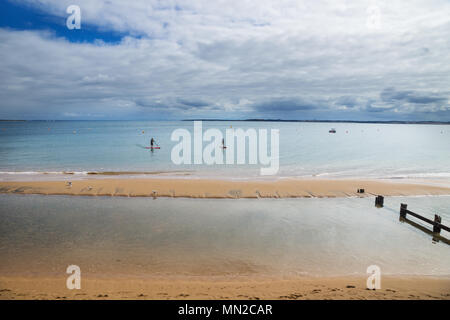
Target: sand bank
(241, 288)
(208, 188)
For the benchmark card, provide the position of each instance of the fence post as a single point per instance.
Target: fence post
(437, 229)
(379, 201)
(403, 207)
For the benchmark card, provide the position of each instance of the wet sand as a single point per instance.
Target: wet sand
(347, 288)
(209, 188)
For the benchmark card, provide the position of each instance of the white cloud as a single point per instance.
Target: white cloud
(231, 56)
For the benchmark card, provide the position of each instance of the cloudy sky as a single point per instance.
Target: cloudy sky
(234, 59)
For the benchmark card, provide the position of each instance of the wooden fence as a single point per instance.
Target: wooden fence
(437, 225)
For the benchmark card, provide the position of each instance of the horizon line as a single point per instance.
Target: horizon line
(252, 120)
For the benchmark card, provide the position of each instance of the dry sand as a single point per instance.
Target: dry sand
(208, 188)
(236, 288)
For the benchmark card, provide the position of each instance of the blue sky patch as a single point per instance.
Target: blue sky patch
(24, 17)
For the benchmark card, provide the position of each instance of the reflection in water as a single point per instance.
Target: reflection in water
(146, 237)
(435, 237)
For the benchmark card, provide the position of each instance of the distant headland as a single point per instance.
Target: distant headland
(327, 121)
(267, 120)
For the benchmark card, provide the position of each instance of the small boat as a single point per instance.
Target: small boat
(332, 130)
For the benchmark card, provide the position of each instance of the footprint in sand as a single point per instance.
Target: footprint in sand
(292, 296)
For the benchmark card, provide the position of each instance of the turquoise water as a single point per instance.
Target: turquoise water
(306, 149)
(146, 237)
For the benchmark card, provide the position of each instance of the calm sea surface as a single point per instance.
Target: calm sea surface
(306, 149)
(146, 237)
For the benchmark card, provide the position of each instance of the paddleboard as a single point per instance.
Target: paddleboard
(152, 147)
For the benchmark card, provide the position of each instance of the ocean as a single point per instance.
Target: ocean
(28, 149)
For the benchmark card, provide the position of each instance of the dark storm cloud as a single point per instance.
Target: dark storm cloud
(347, 101)
(193, 103)
(392, 95)
(171, 104)
(285, 105)
(370, 107)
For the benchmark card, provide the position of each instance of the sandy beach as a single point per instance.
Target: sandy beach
(38, 271)
(348, 288)
(209, 188)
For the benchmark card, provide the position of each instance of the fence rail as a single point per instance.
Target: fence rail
(437, 225)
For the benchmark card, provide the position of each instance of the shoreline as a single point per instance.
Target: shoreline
(301, 288)
(227, 189)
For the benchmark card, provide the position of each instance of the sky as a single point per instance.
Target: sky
(230, 59)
